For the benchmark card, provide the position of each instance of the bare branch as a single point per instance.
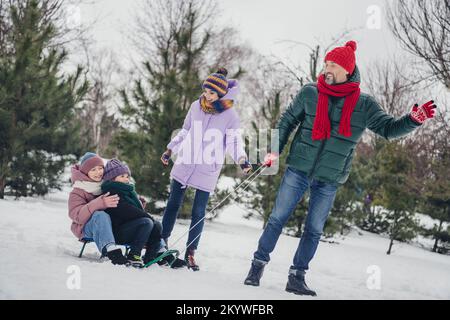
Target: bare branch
(422, 27)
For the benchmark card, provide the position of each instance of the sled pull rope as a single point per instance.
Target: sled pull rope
(231, 193)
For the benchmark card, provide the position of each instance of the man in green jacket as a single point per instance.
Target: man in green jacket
(331, 116)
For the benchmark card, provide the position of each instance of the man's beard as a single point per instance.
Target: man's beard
(330, 78)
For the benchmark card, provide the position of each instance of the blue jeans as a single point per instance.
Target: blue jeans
(99, 228)
(198, 212)
(292, 189)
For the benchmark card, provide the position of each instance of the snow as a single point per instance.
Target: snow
(38, 251)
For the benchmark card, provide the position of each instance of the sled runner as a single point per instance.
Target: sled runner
(85, 241)
(166, 253)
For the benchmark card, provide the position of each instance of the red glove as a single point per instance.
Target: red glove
(424, 112)
(270, 158)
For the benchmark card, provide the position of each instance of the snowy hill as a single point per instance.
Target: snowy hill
(38, 250)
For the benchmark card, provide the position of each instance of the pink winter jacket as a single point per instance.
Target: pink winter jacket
(82, 204)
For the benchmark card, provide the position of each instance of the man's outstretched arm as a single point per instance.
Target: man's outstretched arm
(391, 128)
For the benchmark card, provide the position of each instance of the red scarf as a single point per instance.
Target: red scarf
(349, 90)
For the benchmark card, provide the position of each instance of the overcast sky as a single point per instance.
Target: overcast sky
(267, 24)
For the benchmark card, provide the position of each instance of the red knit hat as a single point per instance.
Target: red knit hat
(344, 56)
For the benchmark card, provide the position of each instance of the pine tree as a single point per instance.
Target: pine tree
(37, 104)
(396, 196)
(347, 209)
(158, 102)
(436, 198)
(372, 219)
(156, 114)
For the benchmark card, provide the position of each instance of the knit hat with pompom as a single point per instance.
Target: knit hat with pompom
(217, 82)
(344, 56)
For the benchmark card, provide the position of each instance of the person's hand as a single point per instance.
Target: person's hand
(245, 166)
(270, 158)
(111, 201)
(422, 113)
(165, 157)
(142, 200)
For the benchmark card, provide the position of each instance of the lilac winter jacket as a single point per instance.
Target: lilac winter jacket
(203, 141)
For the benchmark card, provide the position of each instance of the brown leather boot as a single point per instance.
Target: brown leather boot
(190, 261)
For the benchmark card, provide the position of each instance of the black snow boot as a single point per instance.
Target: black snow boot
(173, 261)
(117, 257)
(255, 273)
(176, 263)
(296, 284)
(148, 256)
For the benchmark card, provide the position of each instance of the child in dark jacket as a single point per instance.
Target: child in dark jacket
(130, 222)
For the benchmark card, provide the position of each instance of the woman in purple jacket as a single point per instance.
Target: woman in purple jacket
(210, 129)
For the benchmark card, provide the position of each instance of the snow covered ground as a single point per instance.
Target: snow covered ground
(38, 254)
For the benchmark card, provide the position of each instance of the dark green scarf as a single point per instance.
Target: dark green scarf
(125, 191)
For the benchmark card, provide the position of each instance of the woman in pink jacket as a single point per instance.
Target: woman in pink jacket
(210, 129)
(86, 205)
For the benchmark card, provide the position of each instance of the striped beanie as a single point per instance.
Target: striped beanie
(217, 82)
(115, 168)
(89, 161)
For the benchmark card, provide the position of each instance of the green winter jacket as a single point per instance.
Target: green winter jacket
(330, 160)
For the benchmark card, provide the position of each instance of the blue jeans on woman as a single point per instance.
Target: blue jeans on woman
(99, 228)
(174, 203)
(291, 191)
